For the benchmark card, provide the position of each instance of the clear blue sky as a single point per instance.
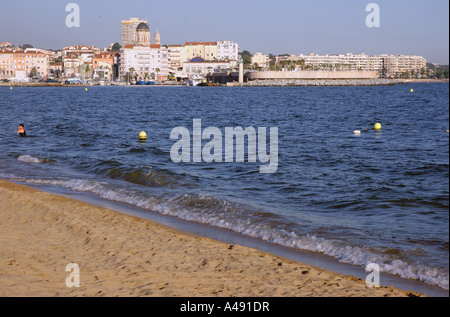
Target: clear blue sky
(284, 26)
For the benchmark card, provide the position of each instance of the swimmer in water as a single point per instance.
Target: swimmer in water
(21, 131)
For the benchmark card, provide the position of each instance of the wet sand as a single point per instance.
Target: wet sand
(121, 255)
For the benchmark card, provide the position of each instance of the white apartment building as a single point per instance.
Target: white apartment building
(160, 65)
(227, 50)
(145, 62)
(128, 61)
(400, 65)
(386, 65)
(177, 56)
(347, 62)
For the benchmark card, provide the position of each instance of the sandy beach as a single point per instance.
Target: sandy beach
(121, 255)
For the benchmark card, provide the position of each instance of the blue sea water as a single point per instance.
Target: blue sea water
(380, 197)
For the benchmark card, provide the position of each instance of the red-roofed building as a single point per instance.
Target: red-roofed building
(105, 66)
(75, 57)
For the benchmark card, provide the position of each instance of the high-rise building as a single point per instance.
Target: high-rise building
(128, 28)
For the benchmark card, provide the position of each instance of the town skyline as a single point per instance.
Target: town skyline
(334, 29)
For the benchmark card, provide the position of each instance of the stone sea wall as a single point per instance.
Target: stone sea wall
(321, 82)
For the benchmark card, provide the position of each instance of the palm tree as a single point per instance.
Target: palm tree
(301, 63)
(157, 72)
(131, 72)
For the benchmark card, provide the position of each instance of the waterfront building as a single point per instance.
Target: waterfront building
(202, 68)
(30, 63)
(286, 58)
(227, 50)
(144, 62)
(71, 65)
(390, 66)
(55, 70)
(36, 63)
(6, 64)
(129, 30)
(205, 50)
(336, 62)
(19, 62)
(177, 56)
(77, 60)
(160, 64)
(260, 59)
(396, 66)
(128, 62)
(105, 66)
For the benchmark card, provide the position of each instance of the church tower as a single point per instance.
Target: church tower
(157, 38)
(143, 35)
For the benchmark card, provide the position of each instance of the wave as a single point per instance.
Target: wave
(146, 176)
(207, 209)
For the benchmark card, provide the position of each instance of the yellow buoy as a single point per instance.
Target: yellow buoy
(85, 89)
(412, 90)
(142, 136)
(377, 126)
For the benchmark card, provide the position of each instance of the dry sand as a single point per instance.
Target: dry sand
(121, 255)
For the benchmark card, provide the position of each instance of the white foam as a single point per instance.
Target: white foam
(207, 209)
(29, 159)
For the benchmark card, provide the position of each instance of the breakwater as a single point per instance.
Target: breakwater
(322, 82)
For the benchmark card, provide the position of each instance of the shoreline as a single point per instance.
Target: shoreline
(263, 83)
(123, 255)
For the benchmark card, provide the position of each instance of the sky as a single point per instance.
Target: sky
(412, 27)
